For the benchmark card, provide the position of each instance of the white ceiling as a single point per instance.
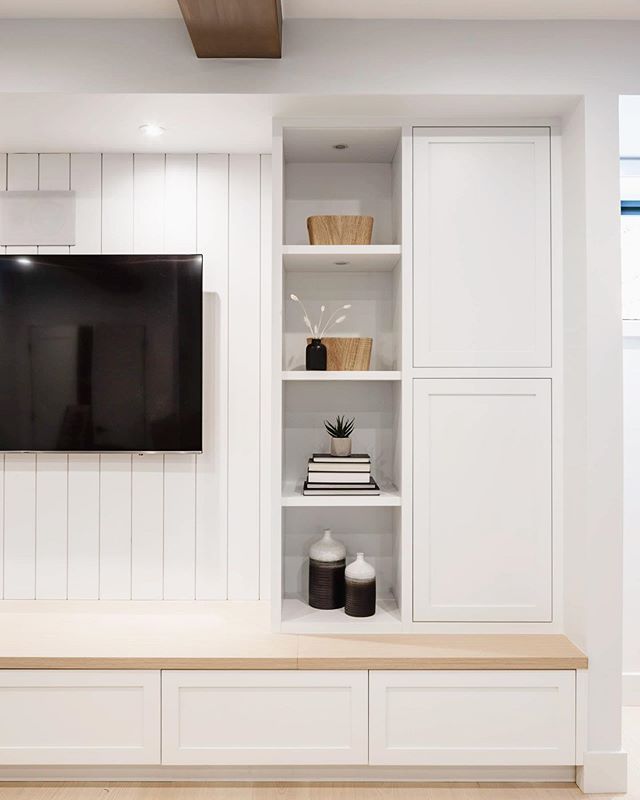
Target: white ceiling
(345, 9)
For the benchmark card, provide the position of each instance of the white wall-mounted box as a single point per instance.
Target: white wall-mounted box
(37, 218)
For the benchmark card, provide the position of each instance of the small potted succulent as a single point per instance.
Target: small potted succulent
(340, 432)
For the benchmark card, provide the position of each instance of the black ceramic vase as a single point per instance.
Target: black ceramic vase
(326, 573)
(316, 355)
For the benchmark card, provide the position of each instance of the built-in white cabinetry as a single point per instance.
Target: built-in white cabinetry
(482, 499)
(482, 247)
(79, 717)
(456, 292)
(264, 717)
(289, 717)
(472, 718)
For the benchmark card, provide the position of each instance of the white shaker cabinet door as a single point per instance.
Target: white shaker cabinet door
(470, 717)
(482, 523)
(79, 716)
(264, 717)
(482, 247)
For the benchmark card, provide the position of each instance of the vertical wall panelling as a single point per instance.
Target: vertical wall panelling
(52, 468)
(51, 526)
(179, 549)
(244, 377)
(83, 489)
(117, 203)
(115, 470)
(86, 182)
(265, 370)
(179, 526)
(83, 527)
(148, 203)
(147, 513)
(19, 527)
(113, 526)
(20, 470)
(181, 220)
(211, 465)
(147, 476)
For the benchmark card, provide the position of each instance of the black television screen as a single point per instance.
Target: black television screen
(101, 353)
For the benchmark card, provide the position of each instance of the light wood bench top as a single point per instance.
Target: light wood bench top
(237, 635)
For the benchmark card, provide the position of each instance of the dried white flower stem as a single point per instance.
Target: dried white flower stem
(307, 321)
(330, 323)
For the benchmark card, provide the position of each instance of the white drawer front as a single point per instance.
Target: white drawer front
(264, 717)
(79, 717)
(495, 718)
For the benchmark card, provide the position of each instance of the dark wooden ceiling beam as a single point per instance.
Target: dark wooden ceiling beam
(234, 28)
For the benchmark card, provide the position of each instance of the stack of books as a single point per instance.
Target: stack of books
(340, 475)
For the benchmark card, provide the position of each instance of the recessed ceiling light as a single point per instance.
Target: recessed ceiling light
(340, 146)
(152, 129)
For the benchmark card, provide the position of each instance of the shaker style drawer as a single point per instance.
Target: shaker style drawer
(472, 718)
(79, 717)
(264, 717)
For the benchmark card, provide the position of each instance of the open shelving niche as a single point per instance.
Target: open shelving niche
(311, 177)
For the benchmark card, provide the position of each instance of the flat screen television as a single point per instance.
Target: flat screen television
(101, 353)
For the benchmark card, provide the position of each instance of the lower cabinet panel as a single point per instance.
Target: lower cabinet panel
(494, 718)
(264, 717)
(79, 717)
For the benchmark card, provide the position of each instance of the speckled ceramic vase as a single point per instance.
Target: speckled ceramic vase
(327, 558)
(360, 588)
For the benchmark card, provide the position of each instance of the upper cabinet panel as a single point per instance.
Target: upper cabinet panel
(482, 247)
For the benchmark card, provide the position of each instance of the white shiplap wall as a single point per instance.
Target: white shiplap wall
(154, 527)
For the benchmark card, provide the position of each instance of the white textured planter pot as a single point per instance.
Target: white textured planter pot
(340, 447)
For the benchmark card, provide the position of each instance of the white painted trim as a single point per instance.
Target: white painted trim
(631, 688)
(291, 773)
(603, 772)
(582, 698)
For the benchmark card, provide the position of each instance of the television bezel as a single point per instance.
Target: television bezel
(202, 382)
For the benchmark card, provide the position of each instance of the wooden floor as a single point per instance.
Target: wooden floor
(229, 791)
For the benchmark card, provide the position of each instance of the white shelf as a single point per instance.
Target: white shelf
(360, 258)
(344, 375)
(292, 497)
(299, 617)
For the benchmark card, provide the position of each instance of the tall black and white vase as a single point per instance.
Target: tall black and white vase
(327, 559)
(360, 588)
